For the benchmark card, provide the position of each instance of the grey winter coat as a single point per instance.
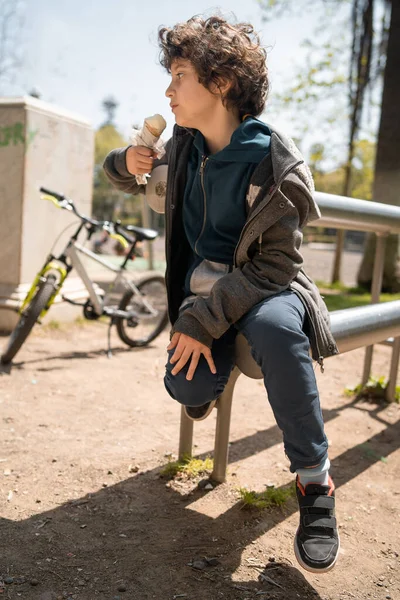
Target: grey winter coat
(267, 258)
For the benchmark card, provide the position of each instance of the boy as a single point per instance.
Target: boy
(236, 195)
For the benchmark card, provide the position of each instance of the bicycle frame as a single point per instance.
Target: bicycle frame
(72, 251)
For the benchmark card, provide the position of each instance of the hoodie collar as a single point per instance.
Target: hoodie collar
(249, 143)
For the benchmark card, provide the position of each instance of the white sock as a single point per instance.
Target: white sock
(319, 474)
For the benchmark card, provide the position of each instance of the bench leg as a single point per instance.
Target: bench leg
(185, 436)
(394, 365)
(221, 446)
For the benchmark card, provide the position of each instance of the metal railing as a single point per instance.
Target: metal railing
(352, 214)
(342, 212)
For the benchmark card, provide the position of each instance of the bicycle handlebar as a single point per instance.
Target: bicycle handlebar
(58, 197)
(109, 226)
(69, 205)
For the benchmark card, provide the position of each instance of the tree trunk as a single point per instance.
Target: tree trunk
(359, 76)
(387, 168)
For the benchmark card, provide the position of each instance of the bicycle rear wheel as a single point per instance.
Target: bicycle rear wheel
(45, 291)
(144, 325)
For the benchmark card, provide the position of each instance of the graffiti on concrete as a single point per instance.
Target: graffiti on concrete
(31, 135)
(15, 134)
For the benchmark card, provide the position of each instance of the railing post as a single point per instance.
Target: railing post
(394, 365)
(377, 277)
(186, 436)
(221, 445)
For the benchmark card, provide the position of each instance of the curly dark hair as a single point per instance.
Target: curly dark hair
(220, 51)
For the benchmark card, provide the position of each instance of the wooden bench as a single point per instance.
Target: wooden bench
(352, 328)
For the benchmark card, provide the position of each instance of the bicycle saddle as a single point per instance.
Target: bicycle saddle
(141, 233)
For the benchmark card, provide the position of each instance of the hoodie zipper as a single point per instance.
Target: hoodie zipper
(202, 167)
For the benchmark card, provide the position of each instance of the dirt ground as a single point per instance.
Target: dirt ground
(86, 515)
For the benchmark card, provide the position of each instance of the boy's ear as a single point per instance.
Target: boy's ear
(221, 86)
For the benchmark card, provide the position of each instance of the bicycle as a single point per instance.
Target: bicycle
(141, 314)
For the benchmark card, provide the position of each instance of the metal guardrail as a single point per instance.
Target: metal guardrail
(353, 214)
(357, 215)
(362, 325)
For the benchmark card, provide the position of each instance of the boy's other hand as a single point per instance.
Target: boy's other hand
(187, 348)
(139, 160)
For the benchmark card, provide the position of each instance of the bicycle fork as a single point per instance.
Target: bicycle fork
(40, 278)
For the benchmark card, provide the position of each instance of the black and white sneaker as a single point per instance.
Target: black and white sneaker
(198, 413)
(317, 543)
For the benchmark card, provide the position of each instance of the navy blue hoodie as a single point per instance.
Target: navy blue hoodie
(214, 209)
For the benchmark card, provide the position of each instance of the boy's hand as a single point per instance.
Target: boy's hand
(186, 348)
(139, 160)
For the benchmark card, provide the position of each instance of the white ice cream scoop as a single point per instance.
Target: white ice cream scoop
(155, 124)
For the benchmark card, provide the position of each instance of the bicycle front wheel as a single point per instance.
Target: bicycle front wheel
(149, 313)
(29, 317)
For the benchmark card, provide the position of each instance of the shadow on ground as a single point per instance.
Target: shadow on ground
(112, 539)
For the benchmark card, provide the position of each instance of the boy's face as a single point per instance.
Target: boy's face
(191, 103)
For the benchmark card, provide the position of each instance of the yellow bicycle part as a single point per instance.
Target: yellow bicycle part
(116, 236)
(51, 198)
(48, 267)
(120, 239)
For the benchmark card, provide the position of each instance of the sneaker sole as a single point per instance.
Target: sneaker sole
(307, 567)
(206, 414)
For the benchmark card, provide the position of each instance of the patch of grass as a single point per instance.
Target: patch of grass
(81, 321)
(370, 453)
(348, 297)
(268, 499)
(53, 325)
(340, 301)
(189, 466)
(374, 390)
(338, 285)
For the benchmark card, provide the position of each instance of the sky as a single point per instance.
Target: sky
(80, 51)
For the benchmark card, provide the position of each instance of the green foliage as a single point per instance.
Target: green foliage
(362, 177)
(189, 466)
(332, 182)
(326, 95)
(362, 170)
(271, 497)
(314, 100)
(374, 390)
(107, 138)
(109, 203)
(277, 8)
